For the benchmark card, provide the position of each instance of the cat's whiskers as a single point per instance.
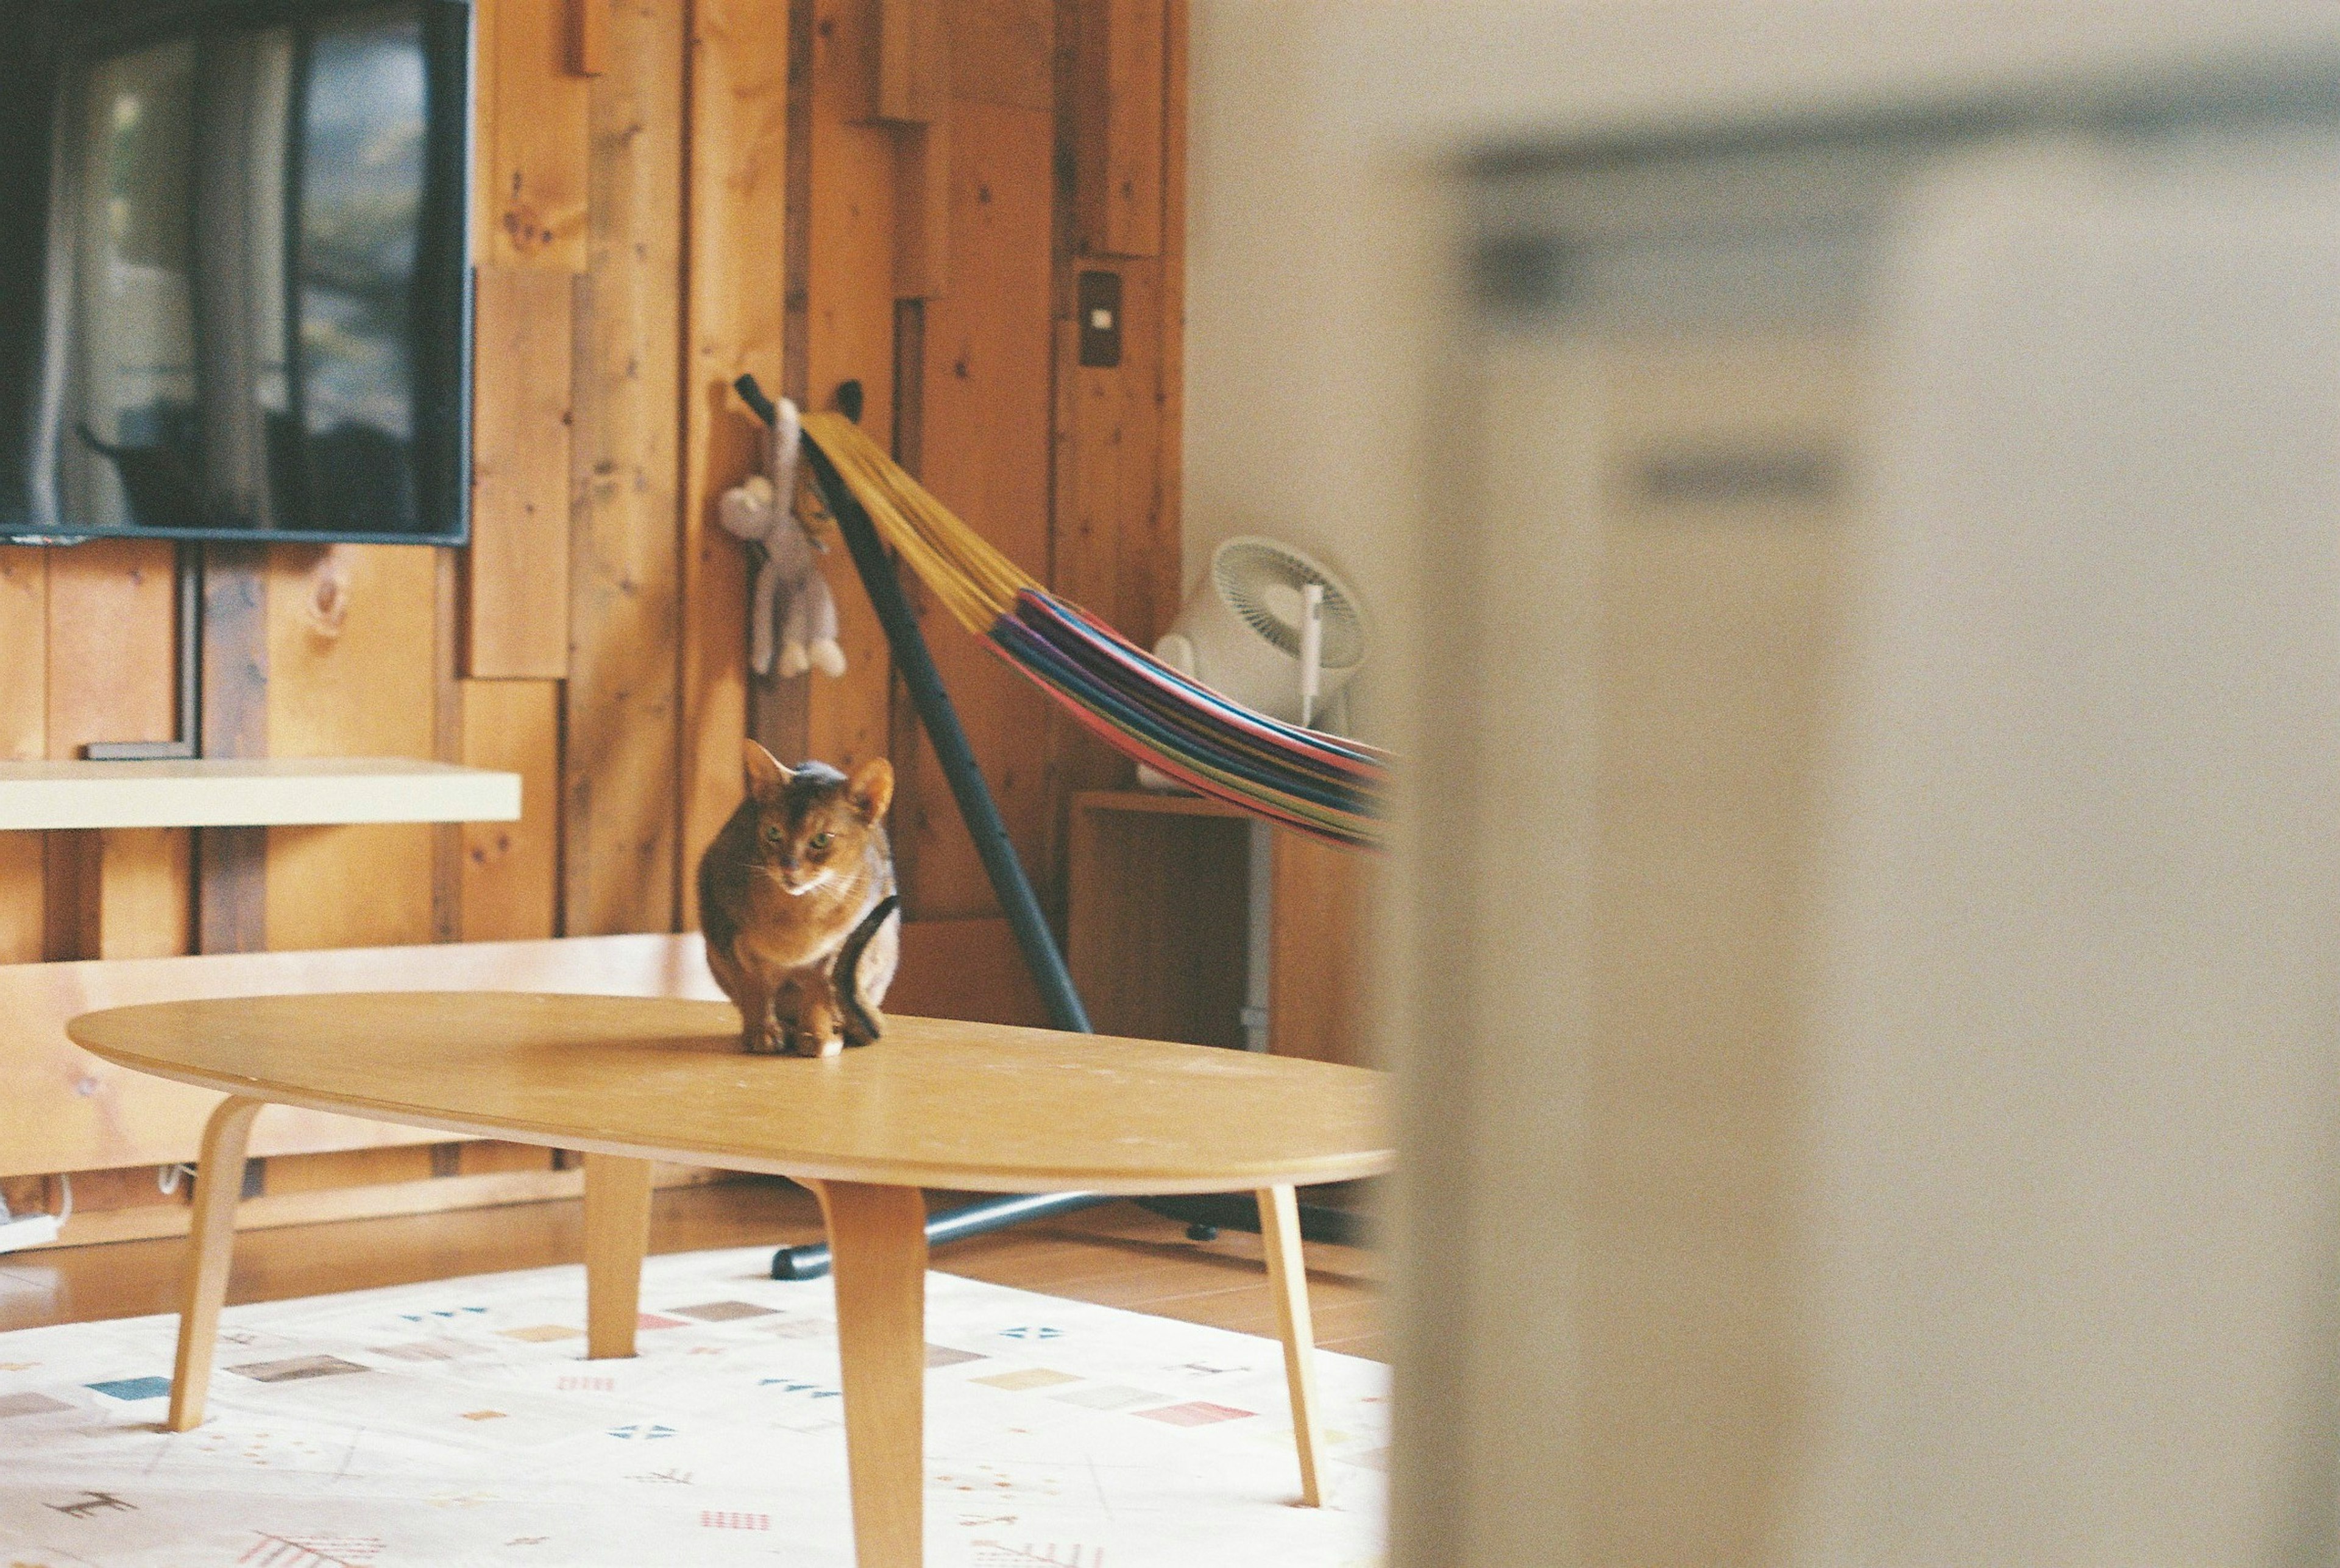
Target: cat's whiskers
(780, 874)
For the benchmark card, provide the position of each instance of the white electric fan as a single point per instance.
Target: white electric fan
(1270, 628)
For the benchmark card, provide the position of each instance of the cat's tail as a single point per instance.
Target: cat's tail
(846, 974)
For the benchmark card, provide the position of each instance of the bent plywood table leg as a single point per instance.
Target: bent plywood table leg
(877, 1239)
(617, 1234)
(1287, 1277)
(219, 1183)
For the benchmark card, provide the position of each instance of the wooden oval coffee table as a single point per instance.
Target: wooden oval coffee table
(936, 1104)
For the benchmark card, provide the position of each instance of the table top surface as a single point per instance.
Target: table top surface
(983, 1108)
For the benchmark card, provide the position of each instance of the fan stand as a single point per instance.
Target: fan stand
(1204, 1216)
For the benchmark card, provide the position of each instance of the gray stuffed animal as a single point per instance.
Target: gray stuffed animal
(761, 510)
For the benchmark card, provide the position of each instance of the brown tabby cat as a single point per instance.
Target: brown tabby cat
(796, 898)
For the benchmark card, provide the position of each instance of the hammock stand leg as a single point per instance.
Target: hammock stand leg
(916, 665)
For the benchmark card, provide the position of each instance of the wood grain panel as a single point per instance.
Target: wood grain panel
(509, 868)
(24, 643)
(111, 642)
(913, 63)
(350, 629)
(23, 902)
(796, 336)
(349, 1167)
(778, 710)
(969, 969)
(1119, 545)
(1320, 969)
(24, 736)
(73, 870)
(231, 863)
(737, 274)
(517, 601)
(985, 454)
(144, 893)
(619, 859)
(1115, 533)
(922, 159)
(1154, 570)
(112, 676)
(534, 114)
(484, 184)
(999, 52)
(1156, 922)
(1105, 524)
(1122, 83)
(589, 37)
(849, 337)
(235, 650)
(446, 738)
(486, 1156)
(1164, 548)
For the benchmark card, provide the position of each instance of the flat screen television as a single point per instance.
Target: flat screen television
(235, 284)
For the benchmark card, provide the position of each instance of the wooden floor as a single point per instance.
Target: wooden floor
(1118, 1256)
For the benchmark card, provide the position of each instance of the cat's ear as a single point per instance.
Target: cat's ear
(870, 789)
(765, 776)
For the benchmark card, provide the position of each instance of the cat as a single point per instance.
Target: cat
(797, 900)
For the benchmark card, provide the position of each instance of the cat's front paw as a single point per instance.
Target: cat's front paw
(805, 1007)
(813, 1042)
(762, 1040)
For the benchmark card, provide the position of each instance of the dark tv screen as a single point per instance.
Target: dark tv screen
(234, 268)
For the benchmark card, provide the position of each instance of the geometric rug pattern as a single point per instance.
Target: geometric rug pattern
(456, 1422)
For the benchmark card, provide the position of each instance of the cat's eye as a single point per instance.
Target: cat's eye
(771, 833)
(821, 840)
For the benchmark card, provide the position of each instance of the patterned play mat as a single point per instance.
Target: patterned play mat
(456, 1424)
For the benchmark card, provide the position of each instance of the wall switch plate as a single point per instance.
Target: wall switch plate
(1096, 299)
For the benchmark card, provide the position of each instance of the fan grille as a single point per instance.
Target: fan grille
(1261, 583)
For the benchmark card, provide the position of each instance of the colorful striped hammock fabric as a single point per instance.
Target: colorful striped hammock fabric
(1320, 784)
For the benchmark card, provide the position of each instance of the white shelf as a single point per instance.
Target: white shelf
(233, 792)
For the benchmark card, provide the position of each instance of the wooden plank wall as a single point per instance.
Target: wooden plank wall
(1121, 126)
(731, 189)
(984, 426)
(974, 368)
(941, 255)
(623, 599)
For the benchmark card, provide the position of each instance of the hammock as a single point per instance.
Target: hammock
(1319, 784)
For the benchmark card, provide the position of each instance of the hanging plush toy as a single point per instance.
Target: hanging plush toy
(762, 511)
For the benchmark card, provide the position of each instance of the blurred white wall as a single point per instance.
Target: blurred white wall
(2035, 1140)
(1301, 378)
(2073, 1190)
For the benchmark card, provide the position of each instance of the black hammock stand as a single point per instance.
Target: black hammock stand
(1204, 1215)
